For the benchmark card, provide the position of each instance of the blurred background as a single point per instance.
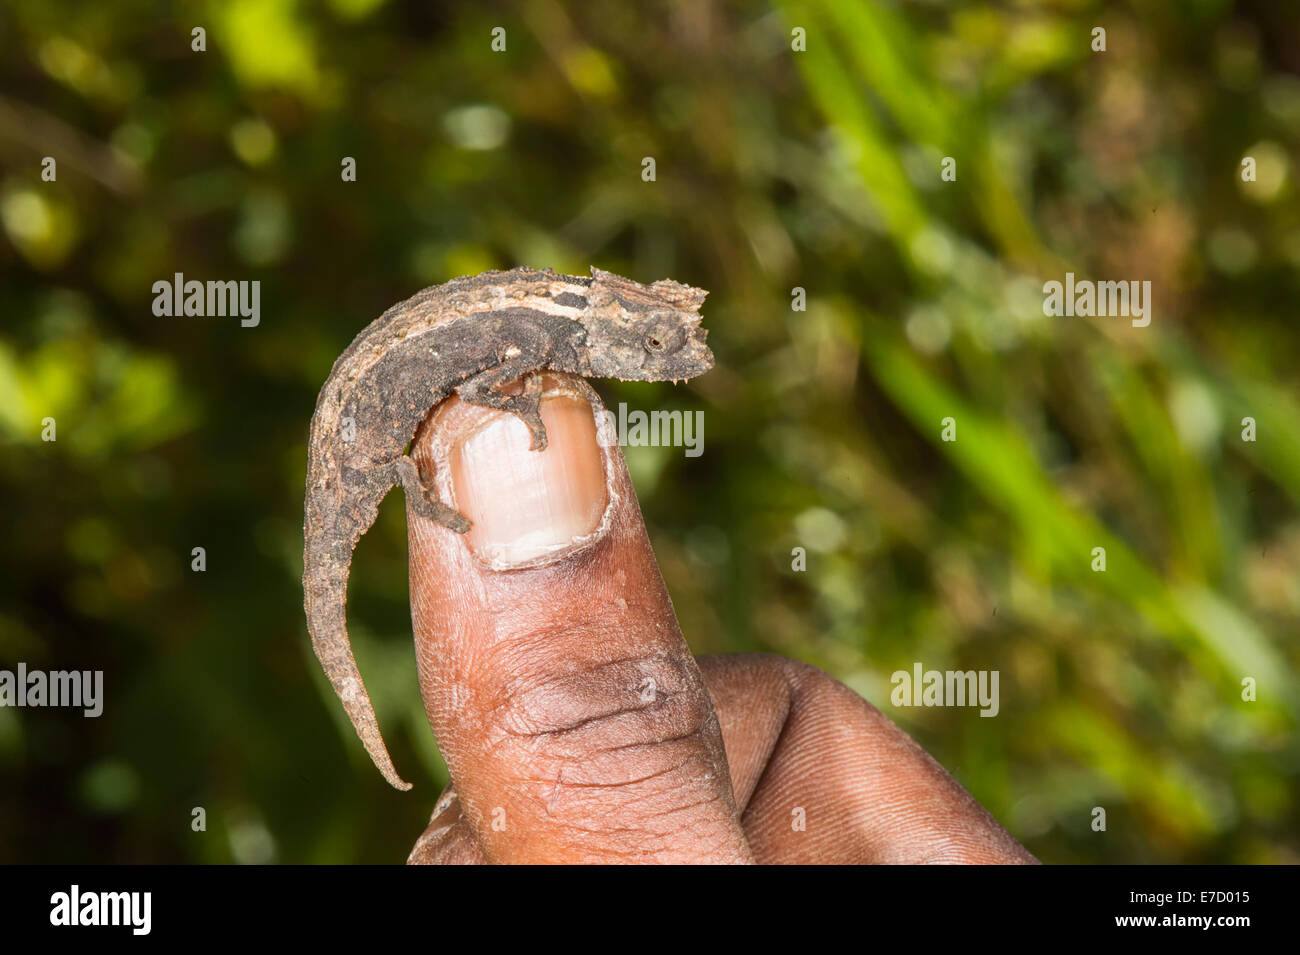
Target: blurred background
(775, 169)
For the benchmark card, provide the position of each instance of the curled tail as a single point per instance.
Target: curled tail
(331, 532)
(326, 619)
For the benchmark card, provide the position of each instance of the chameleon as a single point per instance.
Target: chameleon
(470, 337)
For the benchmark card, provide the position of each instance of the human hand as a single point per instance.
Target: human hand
(575, 722)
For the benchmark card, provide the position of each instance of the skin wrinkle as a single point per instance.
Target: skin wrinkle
(584, 690)
(650, 802)
(876, 797)
(612, 768)
(589, 735)
(571, 784)
(622, 842)
(550, 715)
(518, 652)
(674, 766)
(658, 742)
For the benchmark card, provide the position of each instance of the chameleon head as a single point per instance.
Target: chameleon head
(646, 333)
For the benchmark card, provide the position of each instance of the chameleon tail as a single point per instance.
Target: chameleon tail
(326, 616)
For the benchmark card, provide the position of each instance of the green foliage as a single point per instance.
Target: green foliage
(776, 169)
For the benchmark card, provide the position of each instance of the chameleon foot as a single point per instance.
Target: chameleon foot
(527, 406)
(425, 504)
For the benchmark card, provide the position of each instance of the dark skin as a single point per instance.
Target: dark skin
(535, 681)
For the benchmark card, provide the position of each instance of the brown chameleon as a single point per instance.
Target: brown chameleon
(468, 337)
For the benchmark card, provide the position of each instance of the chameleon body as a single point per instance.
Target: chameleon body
(468, 337)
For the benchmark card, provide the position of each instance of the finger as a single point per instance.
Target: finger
(568, 708)
(822, 776)
(819, 775)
